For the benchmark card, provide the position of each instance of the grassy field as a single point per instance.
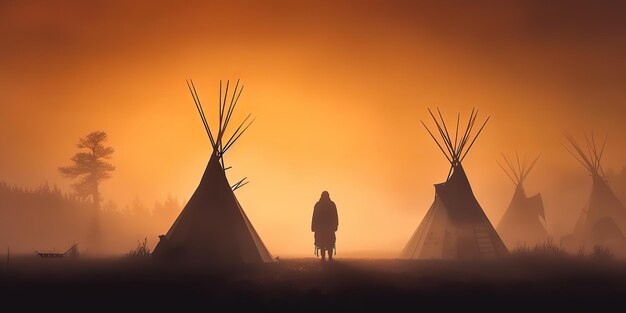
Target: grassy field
(308, 285)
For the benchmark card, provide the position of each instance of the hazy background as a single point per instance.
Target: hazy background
(338, 89)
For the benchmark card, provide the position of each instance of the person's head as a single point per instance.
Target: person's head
(325, 195)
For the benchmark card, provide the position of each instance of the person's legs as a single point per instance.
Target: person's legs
(330, 254)
(323, 253)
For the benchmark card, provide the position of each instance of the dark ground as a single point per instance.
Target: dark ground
(306, 285)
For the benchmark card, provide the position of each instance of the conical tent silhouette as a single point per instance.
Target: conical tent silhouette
(523, 222)
(212, 227)
(455, 226)
(604, 215)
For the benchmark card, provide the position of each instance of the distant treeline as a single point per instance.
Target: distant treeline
(45, 218)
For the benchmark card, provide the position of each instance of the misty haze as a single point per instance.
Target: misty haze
(289, 155)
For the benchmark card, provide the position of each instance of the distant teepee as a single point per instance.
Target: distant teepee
(455, 226)
(603, 219)
(213, 228)
(523, 222)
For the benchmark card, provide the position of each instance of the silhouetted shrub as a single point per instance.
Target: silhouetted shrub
(521, 249)
(546, 249)
(549, 249)
(601, 252)
(582, 251)
(142, 249)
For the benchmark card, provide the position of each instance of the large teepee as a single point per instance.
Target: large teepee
(213, 228)
(523, 222)
(603, 218)
(455, 226)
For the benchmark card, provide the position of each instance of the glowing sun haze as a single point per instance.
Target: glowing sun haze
(338, 90)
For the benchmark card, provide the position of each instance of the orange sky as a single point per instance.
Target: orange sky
(338, 90)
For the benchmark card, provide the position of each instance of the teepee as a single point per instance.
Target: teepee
(455, 226)
(523, 222)
(604, 217)
(213, 228)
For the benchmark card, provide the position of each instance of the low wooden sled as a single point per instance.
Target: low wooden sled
(71, 252)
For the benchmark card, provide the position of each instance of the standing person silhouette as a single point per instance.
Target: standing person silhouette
(324, 224)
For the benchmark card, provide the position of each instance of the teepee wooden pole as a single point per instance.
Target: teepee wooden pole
(507, 173)
(235, 136)
(448, 138)
(532, 165)
(221, 107)
(468, 130)
(196, 100)
(475, 137)
(576, 158)
(512, 169)
(456, 136)
(441, 133)
(232, 105)
(589, 164)
(437, 142)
